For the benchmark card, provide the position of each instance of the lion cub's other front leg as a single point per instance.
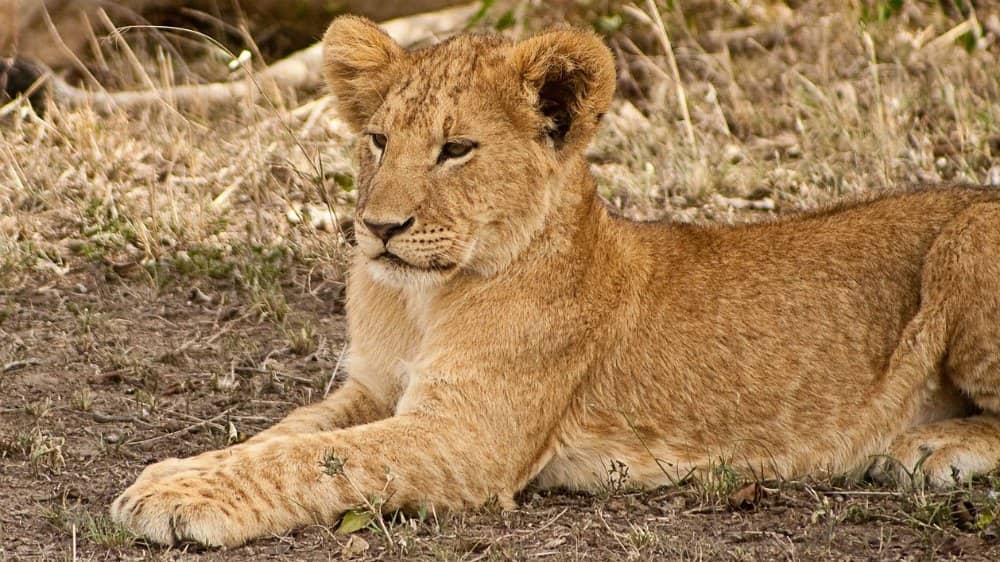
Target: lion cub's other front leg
(382, 335)
(350, 405)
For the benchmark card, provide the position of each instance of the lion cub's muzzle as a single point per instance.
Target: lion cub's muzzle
(406, 244)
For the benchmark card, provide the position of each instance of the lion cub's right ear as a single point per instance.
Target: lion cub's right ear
(360, 62)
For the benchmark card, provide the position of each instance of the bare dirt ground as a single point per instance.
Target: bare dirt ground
(102, 377)
(172, 282)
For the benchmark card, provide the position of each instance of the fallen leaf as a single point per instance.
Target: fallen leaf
(354, 520)
(355, 546)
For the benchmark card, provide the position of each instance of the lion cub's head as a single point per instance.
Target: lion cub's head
(463, 142)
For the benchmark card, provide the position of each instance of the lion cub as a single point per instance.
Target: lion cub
(506, 328)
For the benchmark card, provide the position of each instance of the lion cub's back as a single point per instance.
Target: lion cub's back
(854, 239)
(849, 273)
(776, 319)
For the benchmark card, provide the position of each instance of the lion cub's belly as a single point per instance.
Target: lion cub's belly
(583, 459)
(593, 463)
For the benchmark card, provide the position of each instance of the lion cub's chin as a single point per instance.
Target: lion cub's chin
(407, 277)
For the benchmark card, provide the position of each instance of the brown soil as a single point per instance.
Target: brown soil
(102, 378)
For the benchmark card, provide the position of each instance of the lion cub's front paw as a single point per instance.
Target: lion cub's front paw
(185, 500)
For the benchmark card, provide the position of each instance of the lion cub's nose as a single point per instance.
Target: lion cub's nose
(386, 230)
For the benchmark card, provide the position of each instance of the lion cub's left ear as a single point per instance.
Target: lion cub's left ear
(569, 76)
(360, 62)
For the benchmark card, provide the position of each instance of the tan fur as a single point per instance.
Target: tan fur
(524, 333)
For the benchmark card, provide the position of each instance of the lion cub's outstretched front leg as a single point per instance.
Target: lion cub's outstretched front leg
(226, 497)
(440, 452)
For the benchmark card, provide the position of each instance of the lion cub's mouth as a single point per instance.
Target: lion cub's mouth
(391, 258)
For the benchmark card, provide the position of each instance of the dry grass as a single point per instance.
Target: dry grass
(834, 102)
(839, 106)
(160, 196)
(192, 260)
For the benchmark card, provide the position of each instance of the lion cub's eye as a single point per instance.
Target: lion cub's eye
(456, 149)
(379, 140)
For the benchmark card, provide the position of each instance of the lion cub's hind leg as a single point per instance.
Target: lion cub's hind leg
(962, 274)
(941, 454)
